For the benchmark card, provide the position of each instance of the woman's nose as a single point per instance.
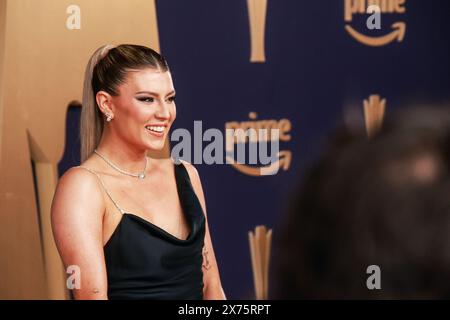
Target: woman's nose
(163, 111)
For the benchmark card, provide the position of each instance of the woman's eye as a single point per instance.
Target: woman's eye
(172, 99)
(146, 99)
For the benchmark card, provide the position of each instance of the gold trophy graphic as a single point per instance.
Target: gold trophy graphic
(257, 15)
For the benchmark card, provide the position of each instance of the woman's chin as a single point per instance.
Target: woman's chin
(156, 145)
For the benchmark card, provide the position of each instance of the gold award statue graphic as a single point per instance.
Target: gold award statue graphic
(257, 17)
(44, 48)
(352, 7)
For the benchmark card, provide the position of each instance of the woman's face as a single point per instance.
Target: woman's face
(144, 108)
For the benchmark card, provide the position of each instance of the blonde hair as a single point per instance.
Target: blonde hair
(91, 123)
(106, 70)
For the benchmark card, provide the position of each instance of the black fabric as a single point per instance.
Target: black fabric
(144, 261)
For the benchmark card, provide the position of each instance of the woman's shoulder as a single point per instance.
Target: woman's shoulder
(194, 176)
(78, 188)
(79, 177)
(190, 168)
(85, 175)
(196, 182)
(167, 164)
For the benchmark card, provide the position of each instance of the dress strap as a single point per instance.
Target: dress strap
(104, 188)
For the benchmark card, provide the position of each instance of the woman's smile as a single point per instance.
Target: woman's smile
(156, 130)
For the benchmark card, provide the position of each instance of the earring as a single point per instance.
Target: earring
(108, 117)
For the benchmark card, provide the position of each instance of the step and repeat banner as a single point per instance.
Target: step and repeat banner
(300, 66)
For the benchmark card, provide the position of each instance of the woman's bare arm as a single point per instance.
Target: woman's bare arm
(77, 218)
(212, 285)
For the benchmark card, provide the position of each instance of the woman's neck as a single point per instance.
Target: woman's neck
(121, 154)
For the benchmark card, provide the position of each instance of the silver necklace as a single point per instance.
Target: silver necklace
(137, 175)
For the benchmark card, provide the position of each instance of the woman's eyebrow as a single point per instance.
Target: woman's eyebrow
(155, 94)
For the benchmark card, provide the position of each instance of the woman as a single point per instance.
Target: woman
(135, 226)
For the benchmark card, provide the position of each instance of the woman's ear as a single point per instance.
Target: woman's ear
(104, 102)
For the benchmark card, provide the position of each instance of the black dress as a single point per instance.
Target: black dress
(144, 261)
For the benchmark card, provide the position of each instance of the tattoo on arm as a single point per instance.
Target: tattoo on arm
(206, 263)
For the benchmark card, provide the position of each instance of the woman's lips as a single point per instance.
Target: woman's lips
(157, 132)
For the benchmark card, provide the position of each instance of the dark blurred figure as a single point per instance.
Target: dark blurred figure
(384, 202)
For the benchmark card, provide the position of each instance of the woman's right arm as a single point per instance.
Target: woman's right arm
(77, 222)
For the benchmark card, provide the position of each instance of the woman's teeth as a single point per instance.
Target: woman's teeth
(155, 128)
